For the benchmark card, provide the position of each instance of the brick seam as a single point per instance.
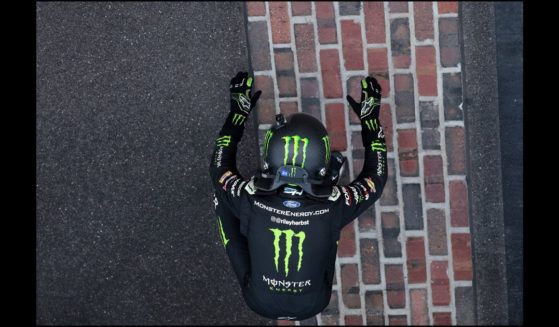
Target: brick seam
(401, 237)
(442, 127)
(421, 155)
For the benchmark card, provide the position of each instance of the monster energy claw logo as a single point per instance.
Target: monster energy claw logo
(223, 140)
(222, 233)
(378, 146)
(372, 124)
(326, 141)
(296, 139)
(238, 119)
(267, 142)
(288, 244)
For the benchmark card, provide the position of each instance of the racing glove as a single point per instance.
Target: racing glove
(368, 112)
(242, 100)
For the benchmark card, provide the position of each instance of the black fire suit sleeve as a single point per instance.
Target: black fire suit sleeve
(226, 179)
(367, 187)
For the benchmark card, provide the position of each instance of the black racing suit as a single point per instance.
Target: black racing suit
(283, 247)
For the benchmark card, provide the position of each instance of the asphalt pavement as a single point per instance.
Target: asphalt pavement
(130, 97)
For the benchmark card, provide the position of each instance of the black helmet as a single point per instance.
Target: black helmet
(297, 151)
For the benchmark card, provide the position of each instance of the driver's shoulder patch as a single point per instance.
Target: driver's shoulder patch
(335, 194)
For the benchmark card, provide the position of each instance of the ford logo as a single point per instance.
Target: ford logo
(291, 204)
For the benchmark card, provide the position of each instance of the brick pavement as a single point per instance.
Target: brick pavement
(407, 260)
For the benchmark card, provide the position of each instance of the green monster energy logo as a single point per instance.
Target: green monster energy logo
(296, 139)
(267, 142)
(326, 140)
(222, 233)
(288, 244)
(224, 140)
(292, 172)
(378, 146)
(238, 119)
(372, 124)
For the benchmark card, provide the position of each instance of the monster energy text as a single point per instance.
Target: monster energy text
(291, 213)
(285, 285)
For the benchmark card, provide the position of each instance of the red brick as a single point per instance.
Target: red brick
(398, 6)
(446, 7)
(455, 150)
(458, 191)
(413, 207)
(350, 286)
(335, 124)
(346, 244)
(404, 98)
(326, 23)
(304, 43)
(357, 145)
(389, 196)
(378, 60)
(285, 322)
(415, 249)
(418, 303)
(288, 108)
(461, 256)
(407, 152)
(423, 16)
(370, 261)
(353, 320)
(440, 285)
(331, 311)
(449, 41)
(287, 85)
(426, 69)
(311, 106)
(330, 320)
(385, 118)
(279, 18)
(434, 179)
(378, 67)
(331, 77)
(309, 87)
(429, 117)
(301, 8)
(266, 105)
(400, 42)
(374, 21)
(367, 219)
(442, 319)
(285, 73)
(395, 291)
(400, 320)
(374, 306)
(390, 234)
(452, 96)
(259, 46)
(256, 8)
(352, 46)
(284, 59)
(436, 232)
